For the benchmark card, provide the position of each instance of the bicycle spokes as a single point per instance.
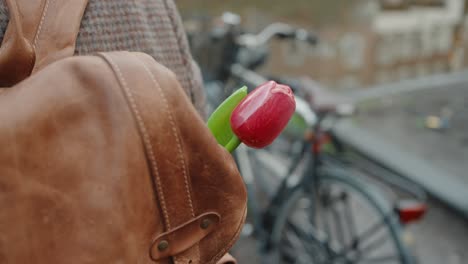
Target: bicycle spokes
(364, 243)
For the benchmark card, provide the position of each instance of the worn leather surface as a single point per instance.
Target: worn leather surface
(177, 240)
(17, 55)
(102, 154)
(39, 33)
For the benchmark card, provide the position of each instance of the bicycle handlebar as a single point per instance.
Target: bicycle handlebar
(278, 30)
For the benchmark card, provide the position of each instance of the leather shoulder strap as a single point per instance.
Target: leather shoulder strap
(39, 32)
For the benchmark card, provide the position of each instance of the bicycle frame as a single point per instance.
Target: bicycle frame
(266, 220)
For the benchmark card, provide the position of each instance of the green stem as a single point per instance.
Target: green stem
(233, 143)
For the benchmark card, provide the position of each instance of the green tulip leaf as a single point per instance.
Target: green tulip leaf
(219, 122)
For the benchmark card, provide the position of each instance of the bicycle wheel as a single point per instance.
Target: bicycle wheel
(346, 220)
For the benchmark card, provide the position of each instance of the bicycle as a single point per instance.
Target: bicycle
(322, 173)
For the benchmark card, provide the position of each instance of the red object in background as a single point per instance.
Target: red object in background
(320, 141)
(263, 114)
(410, 211)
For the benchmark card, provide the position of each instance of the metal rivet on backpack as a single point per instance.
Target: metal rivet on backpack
(163, 245)
(205, 223)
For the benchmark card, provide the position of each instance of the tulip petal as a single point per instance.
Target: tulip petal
(263, 114)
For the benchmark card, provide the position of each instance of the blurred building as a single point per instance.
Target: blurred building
(420, 38)
(397, 40)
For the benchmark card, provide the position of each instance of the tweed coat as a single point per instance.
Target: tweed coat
(150, 26)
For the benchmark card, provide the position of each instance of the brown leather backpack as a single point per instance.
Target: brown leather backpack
(103, 159)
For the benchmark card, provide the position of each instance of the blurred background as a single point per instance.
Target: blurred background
(403, 64)
(363, 42)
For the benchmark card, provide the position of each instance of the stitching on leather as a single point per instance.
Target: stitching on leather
(144, 133)
(39, 29)
(31, 57)
(176, 134)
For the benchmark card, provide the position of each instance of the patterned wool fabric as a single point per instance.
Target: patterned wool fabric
(150, 26)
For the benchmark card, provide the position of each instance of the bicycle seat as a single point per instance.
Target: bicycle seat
(323, 100)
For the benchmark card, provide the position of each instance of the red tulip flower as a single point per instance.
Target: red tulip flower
(263, 114)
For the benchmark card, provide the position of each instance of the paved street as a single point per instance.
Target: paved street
(402, 120)
(442, 237)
